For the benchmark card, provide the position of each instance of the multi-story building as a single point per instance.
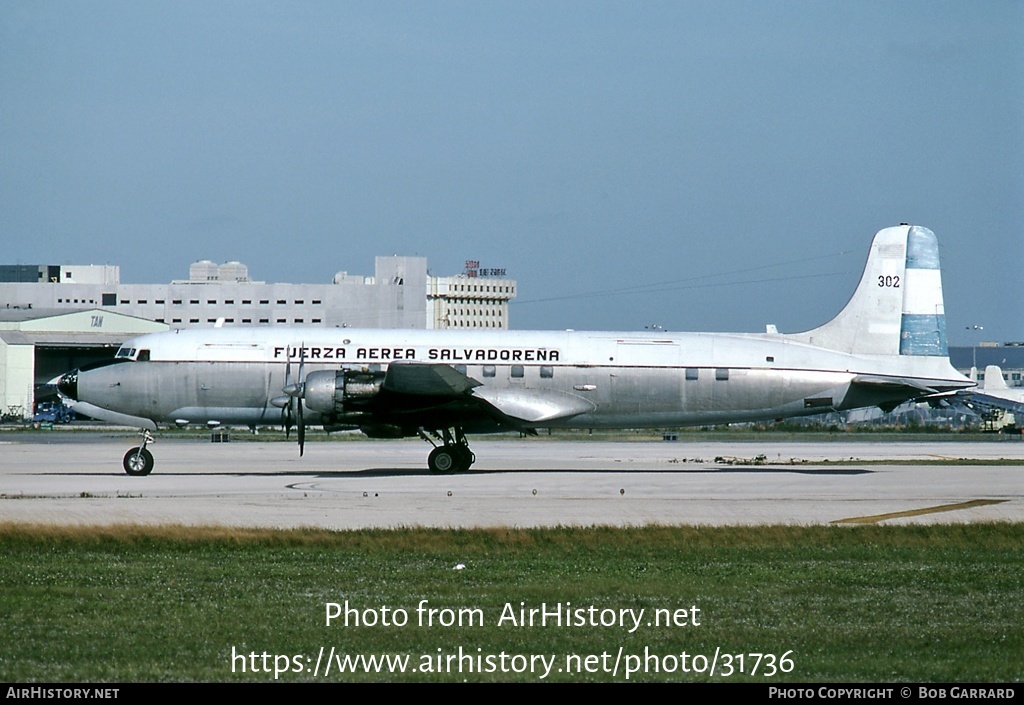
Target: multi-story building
(401, 294)
(56, 317)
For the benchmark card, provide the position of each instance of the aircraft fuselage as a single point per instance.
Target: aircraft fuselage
(231, 375)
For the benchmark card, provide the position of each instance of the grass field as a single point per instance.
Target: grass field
(866, 603)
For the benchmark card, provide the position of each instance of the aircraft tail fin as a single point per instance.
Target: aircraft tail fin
(994, 379)
(897, 307)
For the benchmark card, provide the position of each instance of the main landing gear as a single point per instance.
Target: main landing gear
(139, 461)
(453, 455)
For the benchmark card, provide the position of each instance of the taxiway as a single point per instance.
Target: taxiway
(76, 479)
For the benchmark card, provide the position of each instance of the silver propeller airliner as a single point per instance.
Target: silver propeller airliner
(886, 347)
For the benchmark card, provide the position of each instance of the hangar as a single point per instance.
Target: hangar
(37, 345)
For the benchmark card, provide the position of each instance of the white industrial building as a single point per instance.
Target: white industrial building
(401, 294)
(54, 318)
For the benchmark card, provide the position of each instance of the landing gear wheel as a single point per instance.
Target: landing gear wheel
(466, 457)
(138, 462)
(442, 460)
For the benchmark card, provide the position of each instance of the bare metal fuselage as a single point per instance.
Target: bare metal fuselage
(625, 380)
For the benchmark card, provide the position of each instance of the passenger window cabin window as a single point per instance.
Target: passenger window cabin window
(692, 373)
(722, 374)
(517, 371)
(547, 371)
(488, 370)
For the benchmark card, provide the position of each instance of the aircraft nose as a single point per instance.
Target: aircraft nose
(68, 385)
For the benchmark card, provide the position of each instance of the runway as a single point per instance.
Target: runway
(76, 479)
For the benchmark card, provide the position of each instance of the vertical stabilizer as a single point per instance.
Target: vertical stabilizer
(897, 307)
(994, 379)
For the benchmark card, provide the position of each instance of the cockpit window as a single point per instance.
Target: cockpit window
(126, 353)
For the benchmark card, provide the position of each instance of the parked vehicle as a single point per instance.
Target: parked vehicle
(52, 412)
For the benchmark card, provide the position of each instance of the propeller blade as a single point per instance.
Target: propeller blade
(302, 430)
(300, 391)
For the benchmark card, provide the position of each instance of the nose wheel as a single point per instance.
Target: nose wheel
(138, 461)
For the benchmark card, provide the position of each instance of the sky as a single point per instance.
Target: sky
(687, 165)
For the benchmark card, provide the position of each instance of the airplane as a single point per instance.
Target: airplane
(887, 346)
(994, 393)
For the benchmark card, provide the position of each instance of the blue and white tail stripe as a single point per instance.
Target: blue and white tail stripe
(897, 308)
(923, 321)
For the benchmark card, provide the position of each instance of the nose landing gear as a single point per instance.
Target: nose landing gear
(138, 461)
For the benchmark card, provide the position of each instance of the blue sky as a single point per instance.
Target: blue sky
(695, 165)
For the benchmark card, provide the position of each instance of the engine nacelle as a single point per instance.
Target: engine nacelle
(328, 391)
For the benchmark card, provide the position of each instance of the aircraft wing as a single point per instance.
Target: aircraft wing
(444, 382)
(534, 406)
(424, 379)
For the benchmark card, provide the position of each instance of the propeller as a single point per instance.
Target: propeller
(295, 392)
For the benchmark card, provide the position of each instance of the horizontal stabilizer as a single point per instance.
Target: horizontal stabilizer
(914, 387)
(534, 405)
(424, 379)
(889, 392)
